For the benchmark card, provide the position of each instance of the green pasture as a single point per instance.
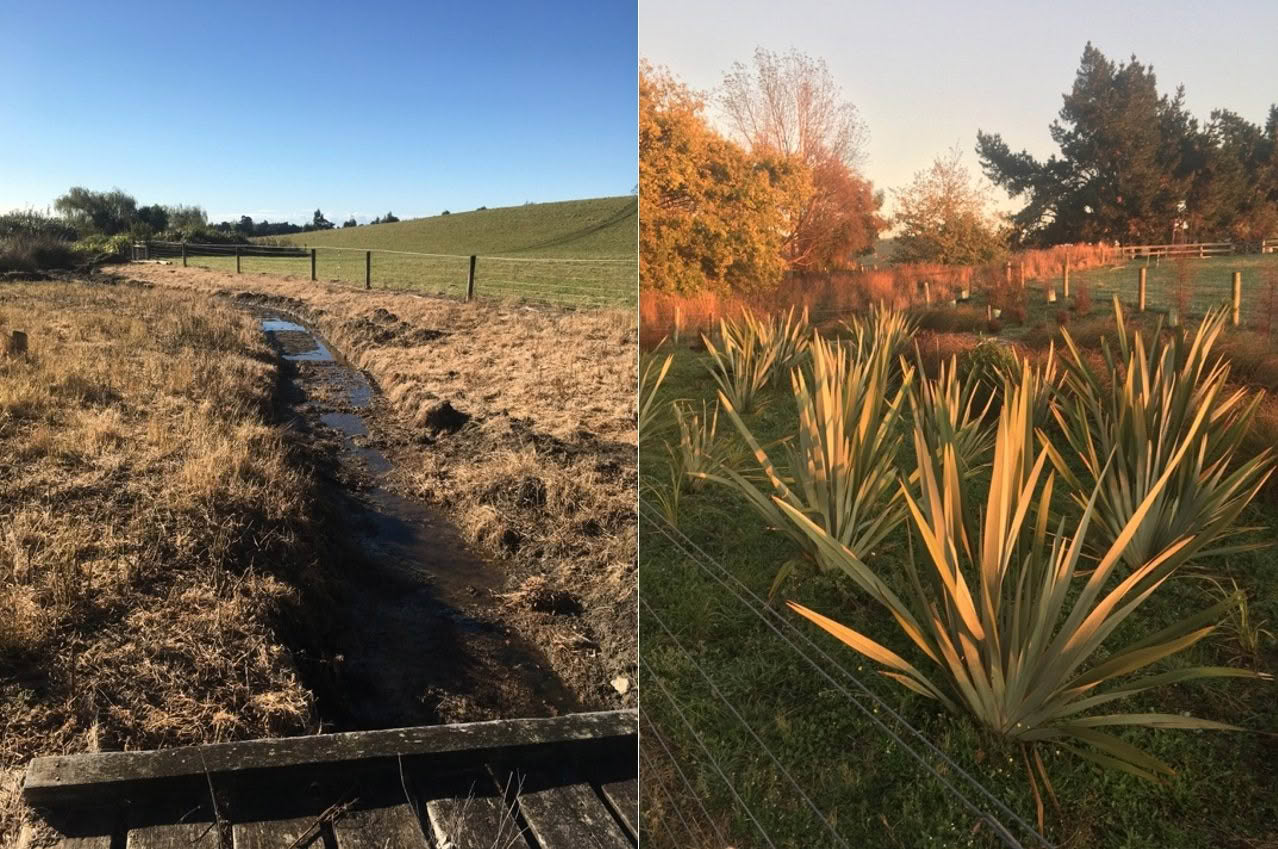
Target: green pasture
(584, 283)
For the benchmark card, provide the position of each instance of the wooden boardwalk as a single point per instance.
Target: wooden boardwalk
(566, 782)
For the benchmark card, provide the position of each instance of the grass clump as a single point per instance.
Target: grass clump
(153, 529)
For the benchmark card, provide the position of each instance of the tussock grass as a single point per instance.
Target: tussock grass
(149, 517)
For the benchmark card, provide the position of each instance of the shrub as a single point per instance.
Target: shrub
(1162, 434)
(842, 472)
(32, 252)
(1082, 298)
(1017, 646)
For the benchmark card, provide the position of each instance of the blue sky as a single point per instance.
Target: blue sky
(273, 109)
(926, 75)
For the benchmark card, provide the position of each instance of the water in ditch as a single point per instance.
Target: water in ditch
(421, 637)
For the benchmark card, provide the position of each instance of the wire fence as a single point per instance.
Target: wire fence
(681, 779)
(576, 282)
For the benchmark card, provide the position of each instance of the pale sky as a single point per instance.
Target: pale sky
(928, 75)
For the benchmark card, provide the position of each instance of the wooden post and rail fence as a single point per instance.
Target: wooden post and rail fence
(458, 274)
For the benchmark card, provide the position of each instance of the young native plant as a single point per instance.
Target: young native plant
(649, 384)
(842, 466)
(701, 449)
(884, 329)
(946, 412)
(1164, 401)
(997, 611)
(787, 335)
(745, 365)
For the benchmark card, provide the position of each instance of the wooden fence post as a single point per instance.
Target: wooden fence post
(927, 293)
(1022, 269)
(368, 269)
(1140, 289)
(184, 253)
(237, 259)
(1007, 272)
(312, 264)
(470, 280)
(1237, 296)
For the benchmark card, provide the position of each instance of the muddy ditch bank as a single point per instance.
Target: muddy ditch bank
(421, 633)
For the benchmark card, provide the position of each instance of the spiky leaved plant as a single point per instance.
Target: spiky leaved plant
(841, 469)
(1158, 401)
(884, 329)
(946, 412)
(787, 334)
(744, 365)
(701, 448)
(1012, 641)
(649, 384)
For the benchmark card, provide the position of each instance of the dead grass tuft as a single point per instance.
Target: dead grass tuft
(148, 520)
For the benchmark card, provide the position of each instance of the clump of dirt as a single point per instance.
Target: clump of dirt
(383, 327)
(537, 594)
(445, 418)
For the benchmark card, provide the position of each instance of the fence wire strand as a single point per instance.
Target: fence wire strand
(761, 610)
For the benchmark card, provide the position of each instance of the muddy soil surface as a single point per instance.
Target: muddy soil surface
(420, 635)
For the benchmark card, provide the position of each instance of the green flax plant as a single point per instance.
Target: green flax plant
(1153, 402)
(997, 611)
(840, 470)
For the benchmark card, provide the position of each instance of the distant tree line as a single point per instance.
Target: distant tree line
(84, 213)
(1135, 166)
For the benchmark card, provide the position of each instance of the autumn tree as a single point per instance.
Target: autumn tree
(944, 216)
(789, 106)
(711, 215)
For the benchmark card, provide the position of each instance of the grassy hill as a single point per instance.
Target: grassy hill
(575, 252)
(597, 228)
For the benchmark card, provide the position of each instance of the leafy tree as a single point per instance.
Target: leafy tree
(1119, 174)
(105, 213)
(943, 216)
(245, 225)
(445, 212)
(187, 218)
(350, 222)
(319, 222)
(389, 218)
(155, 218)
(790, 106)
(711, 215)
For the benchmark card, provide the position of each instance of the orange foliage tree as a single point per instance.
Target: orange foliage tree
(790, 106)
(711, 215)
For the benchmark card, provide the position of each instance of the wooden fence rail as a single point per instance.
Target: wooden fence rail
(1195, 249)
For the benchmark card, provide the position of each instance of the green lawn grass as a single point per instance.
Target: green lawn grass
(1210, 283)
(874, 792)
(596, 228)
(580, 253)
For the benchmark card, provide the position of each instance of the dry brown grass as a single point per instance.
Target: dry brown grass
(545, 473)
(147, 510)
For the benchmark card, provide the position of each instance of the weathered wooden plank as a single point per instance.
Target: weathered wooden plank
(477, 822)
(99, 777)
(395, 826)
(276, 834)
(93, 841)
(569, 816)
(624, 798)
